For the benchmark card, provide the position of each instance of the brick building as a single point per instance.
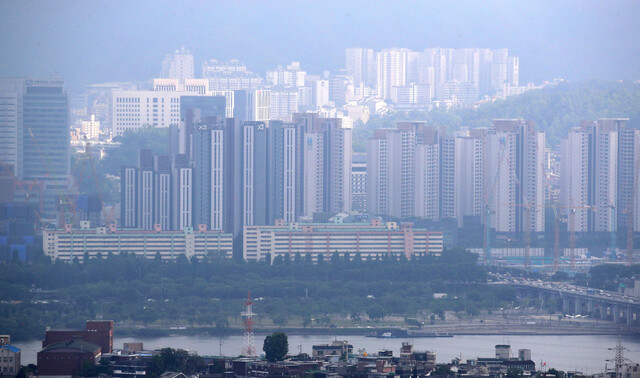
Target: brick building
(67, 358)
(98, 332)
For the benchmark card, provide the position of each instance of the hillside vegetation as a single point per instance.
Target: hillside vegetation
(136, 292)
(554, 109)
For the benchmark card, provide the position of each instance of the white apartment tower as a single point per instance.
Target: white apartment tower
(91, 128)
(291, 76)
(384, 158)
(462, 174)
(391, 168)
(360, 64)
(283, 103)
(391, 70)
(514, 177)
(182, 193)
(598, 171)
(325, 157)
(178, 65)
(470, 174)
(427, 180)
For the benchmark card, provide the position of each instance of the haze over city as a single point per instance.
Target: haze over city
(217, 189)
(86, 42)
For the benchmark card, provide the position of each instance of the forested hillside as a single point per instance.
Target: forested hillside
(555, 109)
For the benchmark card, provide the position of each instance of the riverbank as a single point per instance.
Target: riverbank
(585, 353)
(565, 328)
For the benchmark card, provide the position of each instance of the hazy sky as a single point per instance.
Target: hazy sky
(93, 41)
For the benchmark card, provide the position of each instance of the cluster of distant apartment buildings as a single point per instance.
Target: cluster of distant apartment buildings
(372, 82)
(245, 152)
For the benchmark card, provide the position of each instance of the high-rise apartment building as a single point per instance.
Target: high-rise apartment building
(182, 201)
(514, 157)
(128, 196)
(469, 175)
(283, 103)
(412, 134)
(291, 76)
(391, 70)
(193, 109)
(628, 163)
(359, 182)
(45, 139)
(217, 160)
(599, 161)
(282, 153)
(91, 128)
(230, 75)
(462, 175)
(11, 132)
(145, 202)
(148, 192)
(383, 172)
(178, 65)
(360, 64)
(252, 105)
(462, 75)
(415, 170)
(244, 173)
(162, 190)
(403, 171)
(205, 151)
(319, 91)
(427, 178)
(323, 179)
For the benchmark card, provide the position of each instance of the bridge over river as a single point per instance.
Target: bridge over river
(579, 300)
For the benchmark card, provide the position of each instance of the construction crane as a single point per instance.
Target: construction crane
(572, 227)
(526, 240)
(487, 219)
(527, 226)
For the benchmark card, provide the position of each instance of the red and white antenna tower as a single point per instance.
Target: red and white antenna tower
(249, 348)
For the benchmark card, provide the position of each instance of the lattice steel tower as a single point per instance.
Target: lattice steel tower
(249, 347)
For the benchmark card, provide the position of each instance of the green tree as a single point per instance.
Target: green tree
(280, 320)
(442, 370)
(222, 323)
(375, 311)
(276, 346)
(170, 359)
(514, 373)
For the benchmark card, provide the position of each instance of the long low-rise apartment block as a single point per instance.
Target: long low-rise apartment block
(68, 243)
(322, 240)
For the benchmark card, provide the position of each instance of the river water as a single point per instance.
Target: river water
(585, 353)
